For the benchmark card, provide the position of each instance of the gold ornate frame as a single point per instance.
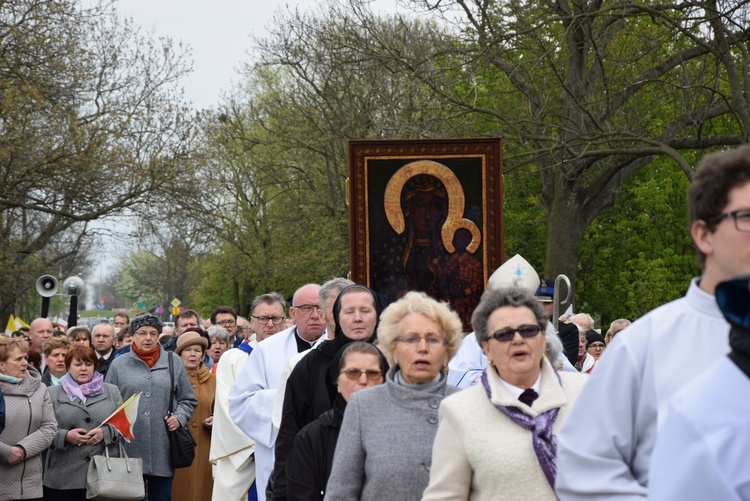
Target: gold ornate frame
(426, 215)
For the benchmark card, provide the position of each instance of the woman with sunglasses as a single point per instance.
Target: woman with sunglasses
(496, 439)
(311, 457)
(385, 445)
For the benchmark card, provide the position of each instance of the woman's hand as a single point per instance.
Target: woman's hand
(95, 436)
(172, 423)
(208, 422)
(17, 454)
(76, 436)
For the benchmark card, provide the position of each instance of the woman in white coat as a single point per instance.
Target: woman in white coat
(485, 447)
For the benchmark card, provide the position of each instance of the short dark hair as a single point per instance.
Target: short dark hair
(186, 314)
(716, 175)
(82, 353)
(127, 318)
(222, 309)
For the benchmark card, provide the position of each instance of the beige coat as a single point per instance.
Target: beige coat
(196, 482)
(480, 454)
(29, 422)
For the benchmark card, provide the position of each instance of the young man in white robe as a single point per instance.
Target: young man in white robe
(701, 452)
(605, 445)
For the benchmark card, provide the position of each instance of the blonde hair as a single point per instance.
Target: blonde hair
(418, 302)
(8, 343)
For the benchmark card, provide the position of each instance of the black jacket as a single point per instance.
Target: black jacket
(311, 457)
(310, 391)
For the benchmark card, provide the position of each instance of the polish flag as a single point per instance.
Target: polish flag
(123, 419)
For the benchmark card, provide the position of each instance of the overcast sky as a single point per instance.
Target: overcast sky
(219, 33)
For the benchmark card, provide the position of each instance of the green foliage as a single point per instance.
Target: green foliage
(638, 254)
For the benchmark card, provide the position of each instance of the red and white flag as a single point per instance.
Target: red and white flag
(123, 419)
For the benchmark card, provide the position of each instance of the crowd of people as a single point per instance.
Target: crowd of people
(337, 398)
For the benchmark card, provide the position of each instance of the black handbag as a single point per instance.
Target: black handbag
(181, 443)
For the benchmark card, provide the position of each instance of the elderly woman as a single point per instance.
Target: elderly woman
(419, 335)
(196, 481)
(81, 402)
(80, 336)
(218, 339)
(29, 423)
(585, 362)
(55, 350)
(595, 344)
(614, 328)
(496, 440)
(145, 368)
(311, 457)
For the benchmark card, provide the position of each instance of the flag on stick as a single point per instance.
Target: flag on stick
(11, 326)
(123, 419)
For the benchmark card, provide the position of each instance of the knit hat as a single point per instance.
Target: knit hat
(145, 321)
(592, 337)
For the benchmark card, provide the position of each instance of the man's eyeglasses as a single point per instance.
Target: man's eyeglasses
(508, 333)
(413, 341)
(225, 323)
(264, 320)
(741, 219)
(306, 309)
(597, 346)
(354, 374)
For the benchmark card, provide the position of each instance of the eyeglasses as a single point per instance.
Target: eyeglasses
(264, 320)
(306, 309)
(225, 323)
(244, 327)
(146, 333)
(598, 346)
(508, 333)
(355, 374)
(741, 219)
(413, 341)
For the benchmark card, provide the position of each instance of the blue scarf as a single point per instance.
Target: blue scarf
(82, 391)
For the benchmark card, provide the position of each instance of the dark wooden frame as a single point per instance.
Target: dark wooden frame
(475, 167)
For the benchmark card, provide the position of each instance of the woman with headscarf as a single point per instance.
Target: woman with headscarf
(310, 389)
(146, 369)
(311, 457)
(81, 401)
(419, 335)
(496, 439)
(29, 423)
(196, 481)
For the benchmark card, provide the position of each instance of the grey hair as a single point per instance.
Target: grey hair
(494, 299)
(217, 332)
(268, 298)
(331, 289)
(586, 316)
(554, 345)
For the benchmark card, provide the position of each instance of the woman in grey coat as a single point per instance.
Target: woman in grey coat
(81, 401)
(146, 369)
(29, 425)
(384, 448)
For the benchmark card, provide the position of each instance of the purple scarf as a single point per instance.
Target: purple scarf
(82, 391)
(543, 439)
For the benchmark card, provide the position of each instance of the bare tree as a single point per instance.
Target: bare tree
(91, 122)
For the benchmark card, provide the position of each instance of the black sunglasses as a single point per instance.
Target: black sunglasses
(507, 334)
